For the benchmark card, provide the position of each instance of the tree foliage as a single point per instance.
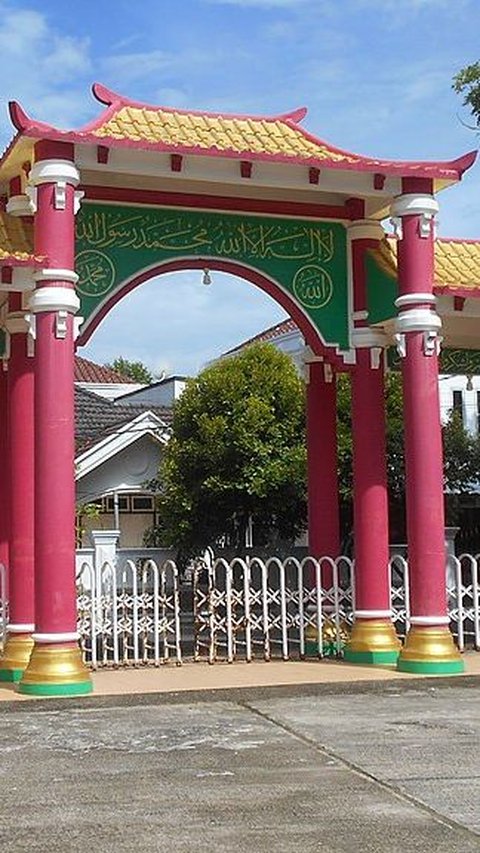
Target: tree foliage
(135, 370)
(467, 83)
(461, 456)
(237, 451)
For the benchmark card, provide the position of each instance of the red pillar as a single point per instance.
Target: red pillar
(323, 511)
(56, 666)
(4, 479)
(429, 645)
(19, 642)
(373, 639)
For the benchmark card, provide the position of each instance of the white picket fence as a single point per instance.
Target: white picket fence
(242, 609)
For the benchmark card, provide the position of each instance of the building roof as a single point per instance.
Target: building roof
(457, 264)
(132, 124)
(277, 331)
(88, 371)
(16, 242)
(97, 417)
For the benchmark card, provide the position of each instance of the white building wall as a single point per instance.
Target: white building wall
(469, 386)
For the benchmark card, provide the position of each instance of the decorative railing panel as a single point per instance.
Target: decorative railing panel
(250, 608)
(129, 615)
(242, 609)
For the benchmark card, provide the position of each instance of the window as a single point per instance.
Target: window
(123, 503)
(142, 503)
(458, 404)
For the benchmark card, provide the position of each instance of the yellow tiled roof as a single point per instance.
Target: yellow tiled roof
(197, 131)
(16, 238)
(457, 262)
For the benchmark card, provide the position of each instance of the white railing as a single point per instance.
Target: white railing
(242, 609)
(129, 615)
(250, 608)
(271, 608)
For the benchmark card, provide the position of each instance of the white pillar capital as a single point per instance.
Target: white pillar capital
(45, 299)
(16, 323)
(20, 205)
(54, 172)
(364, 337)
(414, 204)
(365, 229)
(57, 172)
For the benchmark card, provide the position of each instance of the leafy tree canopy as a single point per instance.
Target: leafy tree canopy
(237, 451)
(467, 83)
(135, 370)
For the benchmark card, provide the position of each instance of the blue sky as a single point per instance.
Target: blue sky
(374, 74)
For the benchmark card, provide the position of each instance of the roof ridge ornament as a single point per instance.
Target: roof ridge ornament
(105, 95)
(296, 116)
(19, 117)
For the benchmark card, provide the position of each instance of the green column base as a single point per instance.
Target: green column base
(329, 650)
(79, 689)
(11, 675)
(444, 667)
(371, 658)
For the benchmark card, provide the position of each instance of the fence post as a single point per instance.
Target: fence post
(105, 543)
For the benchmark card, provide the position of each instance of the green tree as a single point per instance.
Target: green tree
(461, 457)
(467, 83)
(237, 452)
(135, 370)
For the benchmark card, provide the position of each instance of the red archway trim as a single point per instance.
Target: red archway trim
(309, 331)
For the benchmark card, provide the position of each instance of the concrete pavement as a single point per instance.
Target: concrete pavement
(381, 765)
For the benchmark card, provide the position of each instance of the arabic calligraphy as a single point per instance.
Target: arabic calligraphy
(313, 286)
(96, 272)
(168, 231)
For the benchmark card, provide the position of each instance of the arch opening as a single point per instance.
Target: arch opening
(239, 270)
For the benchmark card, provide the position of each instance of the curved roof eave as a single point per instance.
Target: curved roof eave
(300, 147)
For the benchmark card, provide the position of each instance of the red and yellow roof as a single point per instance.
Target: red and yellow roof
(457, 264)
(131, 124)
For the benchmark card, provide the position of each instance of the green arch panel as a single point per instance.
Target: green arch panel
(114, 243)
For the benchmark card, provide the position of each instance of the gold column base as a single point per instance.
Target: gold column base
(430, 650)
(16, 656)
(56, 669)
(329, 636)
(373, 641)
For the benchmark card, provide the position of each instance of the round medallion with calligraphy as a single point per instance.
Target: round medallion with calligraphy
(313, 286)
(96, 272)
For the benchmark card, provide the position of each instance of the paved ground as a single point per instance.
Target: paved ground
(386, 766)
(201, 676)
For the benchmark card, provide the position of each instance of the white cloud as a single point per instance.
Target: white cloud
(129, 67)
(43, 68)
(177, 324)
